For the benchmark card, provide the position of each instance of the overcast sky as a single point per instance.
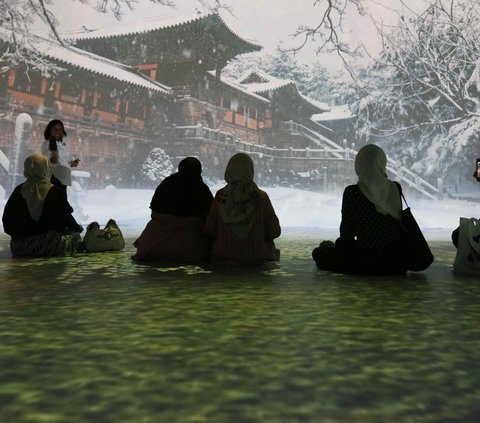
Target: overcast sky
(270, 22)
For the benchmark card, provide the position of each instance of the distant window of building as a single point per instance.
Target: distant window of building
(70, 92)
(241, 108)
(136, 110)
(3, 84)
(27, 83)
(227, 103)
(105, 102)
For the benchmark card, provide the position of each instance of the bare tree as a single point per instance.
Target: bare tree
(327, 33)
(17, 16)
(18, 42)
(422, 92)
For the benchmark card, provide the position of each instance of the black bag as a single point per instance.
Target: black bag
(419, 255)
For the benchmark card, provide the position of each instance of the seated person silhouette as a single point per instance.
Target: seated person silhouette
(241, 220)
(456, 232)
(179, 206)
(38, 217)
(371, 239)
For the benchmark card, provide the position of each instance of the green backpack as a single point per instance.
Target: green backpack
(108, 239)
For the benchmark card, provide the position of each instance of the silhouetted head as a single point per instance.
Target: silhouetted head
(190, 166)
(37, 166)
(55, 130)
(239, 168)
(370, 160)
(370, 166)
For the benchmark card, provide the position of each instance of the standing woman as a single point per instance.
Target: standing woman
(57, 150)
(371, 239)
(241, 220)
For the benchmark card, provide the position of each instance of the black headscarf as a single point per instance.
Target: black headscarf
(184, 193)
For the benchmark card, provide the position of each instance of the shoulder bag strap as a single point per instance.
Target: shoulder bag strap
(401, 192)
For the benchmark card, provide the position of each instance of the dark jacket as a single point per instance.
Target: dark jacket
(182, 195)
(56, 215)
(369, 243)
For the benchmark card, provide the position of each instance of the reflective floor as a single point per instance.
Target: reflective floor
(97, 338)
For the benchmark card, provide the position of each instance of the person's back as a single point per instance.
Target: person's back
(241, 221)
(37, 215)
(56, 215)
(255, 246)
(184, 193)
(364, 224)
(371, 238)
(179, 205)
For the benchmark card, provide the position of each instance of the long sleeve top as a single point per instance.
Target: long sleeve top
(362, 226)
(60, 170)
(56, 215)
(256, 247)
(181, 195)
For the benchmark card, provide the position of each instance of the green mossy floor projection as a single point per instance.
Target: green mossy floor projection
(97, 338)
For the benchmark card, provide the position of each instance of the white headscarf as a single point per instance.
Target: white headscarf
(370, 166)
(36, 187)
(238, 201)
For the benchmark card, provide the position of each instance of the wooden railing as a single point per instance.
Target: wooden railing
(395, 168)
(327, 150)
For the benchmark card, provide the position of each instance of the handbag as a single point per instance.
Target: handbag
(419, 255)
(467, 259)
(108, 239)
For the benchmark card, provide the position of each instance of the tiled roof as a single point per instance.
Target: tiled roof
(335, 113)
(270, 83)
(97, 64)
(155, 24)
(240, 88)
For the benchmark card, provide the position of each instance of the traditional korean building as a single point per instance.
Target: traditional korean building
(339, 120)
(109, 109)
(287, 107)
(157, 83)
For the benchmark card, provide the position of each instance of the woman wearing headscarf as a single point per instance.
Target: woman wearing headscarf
(37, 215)
(241, 220)
(179, 206)
(371, 239)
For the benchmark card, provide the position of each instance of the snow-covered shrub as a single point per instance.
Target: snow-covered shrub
(157, 166)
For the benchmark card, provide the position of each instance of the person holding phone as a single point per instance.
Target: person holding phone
(58, 152)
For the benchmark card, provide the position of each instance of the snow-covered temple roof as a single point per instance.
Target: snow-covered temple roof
(238, 87)
(163, 22)
(319, 104)
(335, 113)
(96, 64)
(260, 82)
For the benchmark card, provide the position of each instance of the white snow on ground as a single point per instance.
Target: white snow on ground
(301, 212)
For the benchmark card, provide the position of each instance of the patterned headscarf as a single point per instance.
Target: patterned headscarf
(35, 189)
(370, 166)
(239, 200)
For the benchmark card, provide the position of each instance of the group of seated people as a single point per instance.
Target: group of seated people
(237, 227)
(188, 224)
